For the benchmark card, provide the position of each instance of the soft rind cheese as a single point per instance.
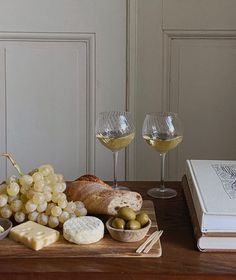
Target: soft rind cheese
(83, 230)
(33, 235)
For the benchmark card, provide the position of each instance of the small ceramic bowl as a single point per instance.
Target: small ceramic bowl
(7, 225)
(127, 235)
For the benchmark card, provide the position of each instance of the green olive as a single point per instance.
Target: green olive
(118, 223)
(142, 218)
(133, 224)
(126, 213)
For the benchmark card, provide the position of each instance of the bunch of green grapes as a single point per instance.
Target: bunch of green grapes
(38, 197)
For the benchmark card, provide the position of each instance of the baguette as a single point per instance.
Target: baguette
(100, 198)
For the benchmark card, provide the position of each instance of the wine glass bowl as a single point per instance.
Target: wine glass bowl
(163, 132)
(115, 131)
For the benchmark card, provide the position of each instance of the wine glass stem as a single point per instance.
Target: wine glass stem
(115, 157)
(163, 156)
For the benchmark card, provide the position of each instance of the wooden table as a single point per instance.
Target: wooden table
(180, 259)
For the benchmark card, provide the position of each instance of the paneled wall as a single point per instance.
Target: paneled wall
(45, 89)
(61, 63)
(186, 63)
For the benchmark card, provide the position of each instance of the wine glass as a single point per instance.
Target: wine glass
(115, 130)
(163, 132)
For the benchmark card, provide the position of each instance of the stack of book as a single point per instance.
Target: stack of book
(210, 191)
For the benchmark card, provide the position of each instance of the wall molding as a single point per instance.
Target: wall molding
(200, 33)
(131, 80)
(170, 35)
(46, 36)
(89, 39)
(170, 102)
(3, 141)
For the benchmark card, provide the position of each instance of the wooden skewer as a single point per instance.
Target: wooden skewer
(142, 246)
(154, 240)
(154, 236)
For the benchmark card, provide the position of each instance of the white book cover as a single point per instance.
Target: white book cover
(213, 187)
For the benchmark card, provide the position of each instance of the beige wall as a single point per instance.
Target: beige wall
(185, 62)
(61, 62)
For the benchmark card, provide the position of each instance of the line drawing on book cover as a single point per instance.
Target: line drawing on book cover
(227, 176)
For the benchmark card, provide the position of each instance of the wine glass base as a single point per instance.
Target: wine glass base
(162, 193)
(124, 188)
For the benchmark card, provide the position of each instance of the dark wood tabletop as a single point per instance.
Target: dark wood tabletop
(180, 258)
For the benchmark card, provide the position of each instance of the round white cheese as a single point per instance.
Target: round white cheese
(83, 230)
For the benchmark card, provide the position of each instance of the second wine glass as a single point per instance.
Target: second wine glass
(115, 130)
(163, 132)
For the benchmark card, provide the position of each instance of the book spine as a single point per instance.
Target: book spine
(195, 198)
(193, 215)
(192, 211)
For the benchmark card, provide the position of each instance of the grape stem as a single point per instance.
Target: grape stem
(8, 156)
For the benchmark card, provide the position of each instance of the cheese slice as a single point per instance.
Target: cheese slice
(33, 235)
(83, 230)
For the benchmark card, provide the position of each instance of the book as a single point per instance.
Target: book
(213, 189)
(207, 241)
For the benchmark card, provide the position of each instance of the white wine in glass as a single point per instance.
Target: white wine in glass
(163, 132)
(115, 130)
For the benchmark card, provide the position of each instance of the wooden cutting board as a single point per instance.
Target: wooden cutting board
(107, 247)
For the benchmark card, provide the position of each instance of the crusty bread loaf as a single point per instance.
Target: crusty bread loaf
(100, 198)
(93, 178)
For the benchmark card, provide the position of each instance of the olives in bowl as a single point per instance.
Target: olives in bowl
(128, 219)
(128, 226)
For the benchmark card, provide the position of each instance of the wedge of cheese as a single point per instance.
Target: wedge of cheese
(83, 230)
(33, 235)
